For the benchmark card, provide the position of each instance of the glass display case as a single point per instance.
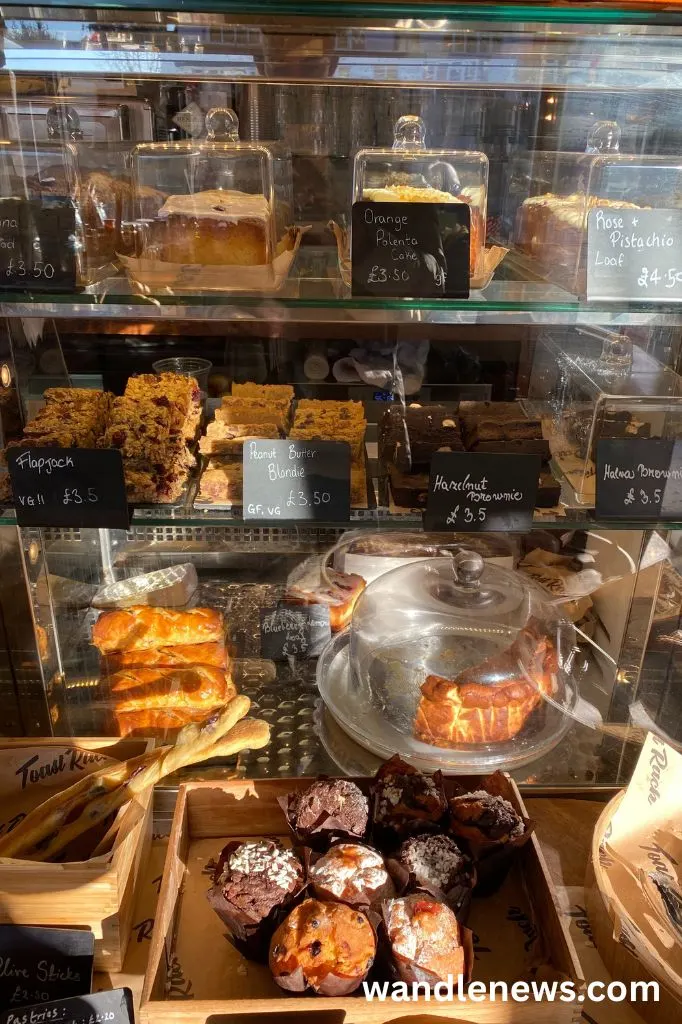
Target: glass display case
(210, 159)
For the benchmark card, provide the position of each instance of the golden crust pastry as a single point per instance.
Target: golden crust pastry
(188, 655)
(474, 708)
(145, 688)
(139, 627)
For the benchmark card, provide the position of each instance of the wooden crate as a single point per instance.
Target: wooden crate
(221, 982)
(97, 894)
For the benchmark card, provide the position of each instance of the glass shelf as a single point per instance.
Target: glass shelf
(323, 300)
(381, 519)
(530, 46)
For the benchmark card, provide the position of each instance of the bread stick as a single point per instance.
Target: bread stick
(49, 817)
(249, 733)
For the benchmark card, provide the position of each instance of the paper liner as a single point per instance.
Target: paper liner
(249, 935)
(488, 261)
(401, 968)
(493, 857)
(458, 898)
(326, 830)
(333, 984)
(405, 821)
(151, 276)
(364, 899)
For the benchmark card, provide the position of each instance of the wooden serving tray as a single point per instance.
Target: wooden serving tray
(194, 974)
(98, 894)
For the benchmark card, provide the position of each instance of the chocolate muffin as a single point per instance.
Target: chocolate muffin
(436, 863)
(253, 884)
(493, 831)
(351, 873)
(426, 942)
(326, 947)
(328, 808)
(405, 801)
(485, 817)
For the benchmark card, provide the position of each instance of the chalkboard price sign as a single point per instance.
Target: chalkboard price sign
(416, 250)
(297, 480)
(38, 244)
(112, 1007)
(73, 487)
(41, 964)
(634, 255)
(291, 630)
(475, 493)
(639, 478)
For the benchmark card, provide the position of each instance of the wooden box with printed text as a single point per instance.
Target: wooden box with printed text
(97, 893)
(195, 975)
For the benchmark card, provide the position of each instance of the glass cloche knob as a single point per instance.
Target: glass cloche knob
(604, 137)
(409, 133)
(63, 123)
(467, 567)
(222, 124)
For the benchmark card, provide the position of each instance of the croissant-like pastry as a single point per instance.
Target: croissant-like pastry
(140, 627)
(492, 701)
(188, 655)
(201, 687)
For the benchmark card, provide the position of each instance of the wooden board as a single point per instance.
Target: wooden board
(206, 816)
(98, 894)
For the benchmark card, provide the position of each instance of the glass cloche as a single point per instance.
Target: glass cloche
(409, 172)
(453, 663)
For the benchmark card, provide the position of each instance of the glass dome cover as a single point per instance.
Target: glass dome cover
(454, 664)
(409, 172)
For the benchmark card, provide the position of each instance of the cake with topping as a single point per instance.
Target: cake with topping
(427, 944)
(218, 227)
(351, 873)
(437, 864)
(328, 948)
(405, 801)
(326, 808)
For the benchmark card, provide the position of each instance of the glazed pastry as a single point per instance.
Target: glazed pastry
(405, 801)
(492, 701)
(140, 627)
(326, 808)
(350, 873)
(188, 655)
(337, 590)
(427, 943)
(436, 863)
(141, 689)
(326, 947)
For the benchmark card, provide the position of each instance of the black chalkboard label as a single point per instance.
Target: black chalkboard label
(415, 250)
(41, 964)
(112, 1007)
(71, 487)
(38, 244)
(639, 478)
(297, 480)
(293, 630)
(634, 255)
(476, 493)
